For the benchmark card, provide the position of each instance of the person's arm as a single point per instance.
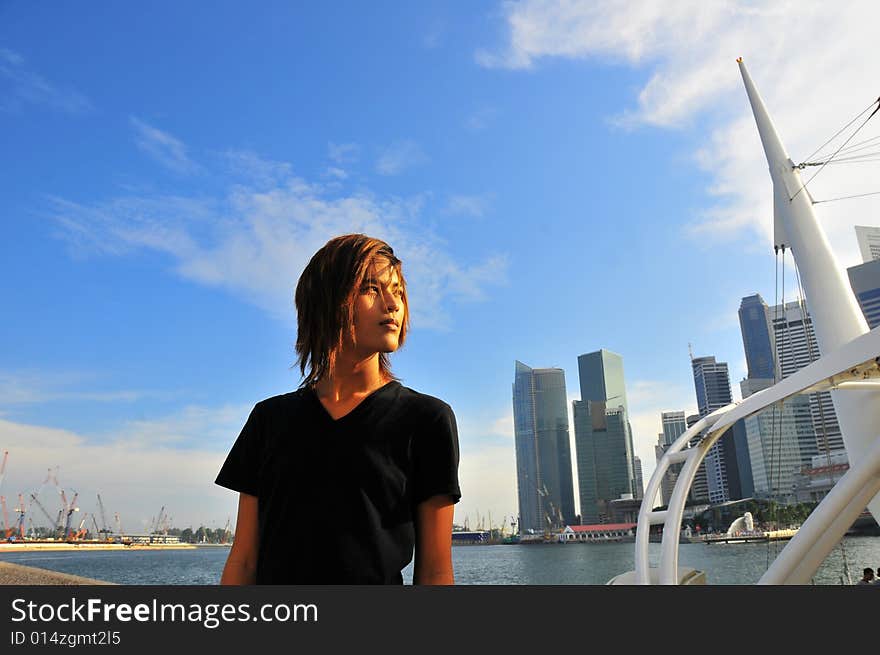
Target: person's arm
(241, 565)
(433, 565)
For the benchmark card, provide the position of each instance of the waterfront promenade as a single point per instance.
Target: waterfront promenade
(30, 546)
(17, 574)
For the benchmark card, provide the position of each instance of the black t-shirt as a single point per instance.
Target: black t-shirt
(337, 498)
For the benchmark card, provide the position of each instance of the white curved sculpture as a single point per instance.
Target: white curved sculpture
(849, 367)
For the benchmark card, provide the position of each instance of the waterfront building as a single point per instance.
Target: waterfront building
(869, 242)
(667, 482)
(795, 346)
(744, 487)
(712, 384)
(674, 425)
(624, 510)
(865, 282)
(603, 436)
(637, 477)
(543, 452)
(812, 483)
(757, 336)
(600, 533)
(780, 441)
(604, 457)
(700, 486)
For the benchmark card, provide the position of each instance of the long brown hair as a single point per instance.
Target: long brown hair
(325, 297)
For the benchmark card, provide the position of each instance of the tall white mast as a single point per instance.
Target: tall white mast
(837, 318)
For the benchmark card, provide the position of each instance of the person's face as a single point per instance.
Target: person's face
(379, 311)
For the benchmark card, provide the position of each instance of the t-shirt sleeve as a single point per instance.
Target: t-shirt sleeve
(240, 471)
(435, 458)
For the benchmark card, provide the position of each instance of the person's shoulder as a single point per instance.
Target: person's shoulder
(282, 403)
(425, 403)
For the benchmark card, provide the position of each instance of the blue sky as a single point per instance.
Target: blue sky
(557, 177)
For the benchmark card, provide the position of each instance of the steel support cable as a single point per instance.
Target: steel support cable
(850, 151)
(861, 143)
(847, 156)
(777, 373)
(855, 147)
(776, 430)
(874, 157)
(856, 159)
(803, 307)
(821, 168)
(865, 110)
(861, 195)
(856, 156)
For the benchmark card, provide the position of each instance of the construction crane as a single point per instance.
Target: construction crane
(6, 530)
(52, 524)
(22, 510)
(97, 531)
(155, 525)
(70, 508)
(118, 526)
(49, 476)
(103, 518)
(225, 536)
(80, 531)
(3, 467)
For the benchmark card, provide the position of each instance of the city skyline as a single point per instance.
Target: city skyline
(556, 177)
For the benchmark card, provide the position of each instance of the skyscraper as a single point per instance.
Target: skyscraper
(782, 438)
(700, 486)
(795, 347)
(674, 426)
(869, 242)
(603, 437)
(600, 374)
(754, 322)
(865, 282)
(543, 455)
(712, 384)
(637, 478)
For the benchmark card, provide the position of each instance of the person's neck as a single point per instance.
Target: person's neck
(351, 378)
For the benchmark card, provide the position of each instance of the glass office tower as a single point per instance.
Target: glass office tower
(543, 451)
(603, 436)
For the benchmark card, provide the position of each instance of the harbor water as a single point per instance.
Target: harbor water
(543, 564)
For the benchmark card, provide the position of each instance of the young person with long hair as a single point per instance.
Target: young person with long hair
(342, 480)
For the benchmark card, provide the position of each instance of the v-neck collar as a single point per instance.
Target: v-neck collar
(364, 401)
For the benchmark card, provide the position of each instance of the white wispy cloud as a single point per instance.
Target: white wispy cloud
(34, 387)
(434, 34)
(27, 87)
(261, 172)
(688, 48)
(399, 157)
(343, 153)
(168, 150)
(469, 205)
(480, 119)
(255, 241)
